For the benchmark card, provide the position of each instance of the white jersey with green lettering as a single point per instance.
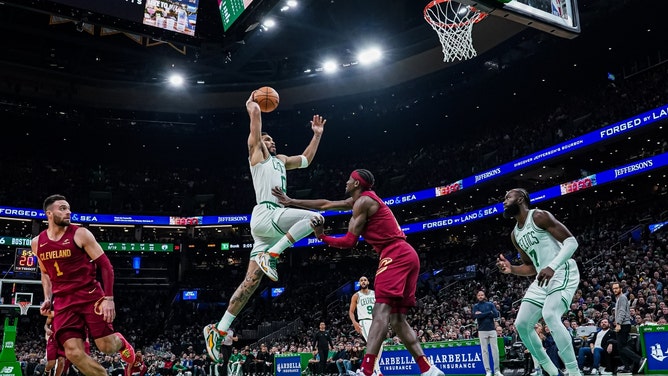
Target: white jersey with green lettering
(266, 175)
(536, 242)
(365, 303)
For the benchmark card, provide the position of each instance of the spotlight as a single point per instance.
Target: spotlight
(330, 66)
(370, 55)
(176, 79)
(268, 23)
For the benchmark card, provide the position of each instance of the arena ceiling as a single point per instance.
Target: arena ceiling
(73, 48)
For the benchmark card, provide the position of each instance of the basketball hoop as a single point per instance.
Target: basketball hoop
(453, 22)
(24, 306)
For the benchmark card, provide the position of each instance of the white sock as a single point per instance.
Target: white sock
(298, 231)
(226, 321)
(280, 246)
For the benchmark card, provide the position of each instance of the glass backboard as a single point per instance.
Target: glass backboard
(558, 17)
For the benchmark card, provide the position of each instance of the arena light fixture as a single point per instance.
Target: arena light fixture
(176, 80)
(268, 23)
(369, 55)
(330, 66)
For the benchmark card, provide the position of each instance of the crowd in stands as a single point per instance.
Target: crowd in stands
(113, 181)
(168, 333)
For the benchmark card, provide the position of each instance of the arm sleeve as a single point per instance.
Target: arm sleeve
(568, 247)
(347, 241)
(107, 273)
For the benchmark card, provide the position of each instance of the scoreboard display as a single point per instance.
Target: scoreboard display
(230, 10)
(25, 261)
(178, 16)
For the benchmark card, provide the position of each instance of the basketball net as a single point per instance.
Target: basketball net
(453, 22)
(24, 306)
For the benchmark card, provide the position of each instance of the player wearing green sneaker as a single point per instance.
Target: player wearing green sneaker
(273, 227)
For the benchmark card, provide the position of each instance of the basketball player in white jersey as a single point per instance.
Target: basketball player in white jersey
(545, 246)
(274, 227)
(362, 302)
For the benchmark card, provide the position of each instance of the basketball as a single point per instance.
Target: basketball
(267, 98)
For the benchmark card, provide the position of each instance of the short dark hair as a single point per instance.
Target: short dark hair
(367, 176)
(51, 199)
(523, 193)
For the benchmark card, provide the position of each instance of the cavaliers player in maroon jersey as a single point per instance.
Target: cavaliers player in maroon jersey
(139, 366)
(69, 257)
(398, 269)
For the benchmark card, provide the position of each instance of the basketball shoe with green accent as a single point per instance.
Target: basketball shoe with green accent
(268, 264)
(213, 339)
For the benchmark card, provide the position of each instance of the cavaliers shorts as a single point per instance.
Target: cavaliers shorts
(397, 275)
(77, 315)
(53, 351)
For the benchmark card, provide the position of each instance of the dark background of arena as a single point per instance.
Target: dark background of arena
(527, 90)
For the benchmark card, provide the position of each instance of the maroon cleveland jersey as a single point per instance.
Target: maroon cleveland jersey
(68, 265)
(381, 229)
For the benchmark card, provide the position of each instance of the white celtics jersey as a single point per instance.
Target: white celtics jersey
(537, 243)
(365, 303)
(266, 175)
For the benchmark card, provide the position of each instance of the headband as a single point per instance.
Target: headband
(365, 184)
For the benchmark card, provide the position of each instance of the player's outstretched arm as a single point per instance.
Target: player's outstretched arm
(256, 149)
(361, 209)
(305, 159)
(317, 204)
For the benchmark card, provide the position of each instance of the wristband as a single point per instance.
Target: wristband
(304, 163)
(109, 298)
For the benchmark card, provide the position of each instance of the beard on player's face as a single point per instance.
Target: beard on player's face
(511, 210)
(64, 221)
(271, 149)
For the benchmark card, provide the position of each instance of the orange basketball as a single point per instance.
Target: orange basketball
(267, 98)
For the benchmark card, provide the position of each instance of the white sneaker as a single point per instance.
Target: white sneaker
(536, 372)
(594, 371)
(605, 373)
(268, 265)
(433, 371)
(498, 373)
(488, 374)
(213, 338)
